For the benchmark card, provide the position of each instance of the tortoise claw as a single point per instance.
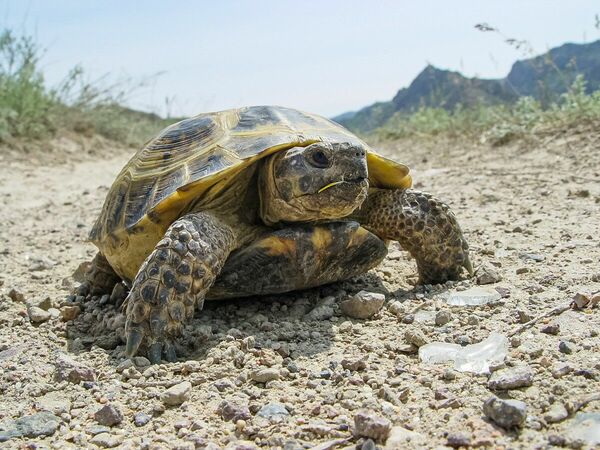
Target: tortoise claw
(169, 351)
(134, 339)
(155, 353)
(468, 265)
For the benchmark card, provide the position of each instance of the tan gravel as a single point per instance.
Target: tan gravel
(291, 371)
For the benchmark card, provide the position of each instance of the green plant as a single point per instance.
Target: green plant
(25, 104)
(31, 109)
(497, 124)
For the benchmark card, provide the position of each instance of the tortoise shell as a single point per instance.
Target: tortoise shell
(196, 155)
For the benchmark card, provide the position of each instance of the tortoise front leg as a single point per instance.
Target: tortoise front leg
(424, 226)
(172, 283)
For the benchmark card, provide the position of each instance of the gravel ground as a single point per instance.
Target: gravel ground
(295, 371)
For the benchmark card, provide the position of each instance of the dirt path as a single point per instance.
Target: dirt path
(531, 214)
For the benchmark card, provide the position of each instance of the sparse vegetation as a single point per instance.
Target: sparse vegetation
(31, 109)
(497, 124)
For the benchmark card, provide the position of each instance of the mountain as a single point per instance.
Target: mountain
(544, 77)
(551, 74)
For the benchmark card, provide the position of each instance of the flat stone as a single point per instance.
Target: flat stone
(556, 413)
(37, 314)
(532, 257)
(69, 369)
(233, 412)
(56, 402)
(141, 361)
(363, 305)
(581, 299)
(272, 410)
(415, 337)
(109, 415)
(561, 369)
(442, 318)
(16, 296)
(140, 419)
(400, 438)
(551, 328)
(354, 365)
(40, 424)
(176, 395)
(368, 424)
(512, 378)
(106, 440)
(473, 297)
(396, 308)
(486, 274)
(69, 312)
(264, 375)
(506, 413)
(566, 347)
(456, 440)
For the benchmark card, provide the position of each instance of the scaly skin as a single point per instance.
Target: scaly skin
(176, 277)
(173, 281)
(299, 257)
(101, 276)
(424, 226)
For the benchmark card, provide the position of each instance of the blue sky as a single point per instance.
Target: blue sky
(322, 56)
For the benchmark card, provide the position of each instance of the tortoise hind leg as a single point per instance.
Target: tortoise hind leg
(101, 276)
(299, 257)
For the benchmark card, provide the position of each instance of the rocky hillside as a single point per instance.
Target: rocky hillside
(544, 77)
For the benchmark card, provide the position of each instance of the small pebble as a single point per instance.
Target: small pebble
(442, 318)
(506, 413)
(486, 274)
(513, 378)
(370, 425)
(272, 410)
(456, 440)
(69, 312)
(106, 440)
(37, 315)
(566, 347)
(140, 419)
(176, 395)
(556, 413)
(551, 328)
(363, 305)
(265, 375)
(109, 415)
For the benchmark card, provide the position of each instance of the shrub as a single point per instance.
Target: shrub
(31, 109)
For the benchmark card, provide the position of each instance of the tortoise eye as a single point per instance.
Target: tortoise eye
(320, 159)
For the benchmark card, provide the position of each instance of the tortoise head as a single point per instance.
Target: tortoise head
(319, 182)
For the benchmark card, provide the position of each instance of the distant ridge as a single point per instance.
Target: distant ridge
(543, 77)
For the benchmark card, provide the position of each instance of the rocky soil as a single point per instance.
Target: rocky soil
(301, 370)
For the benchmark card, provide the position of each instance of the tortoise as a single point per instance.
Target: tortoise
(251, 201)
